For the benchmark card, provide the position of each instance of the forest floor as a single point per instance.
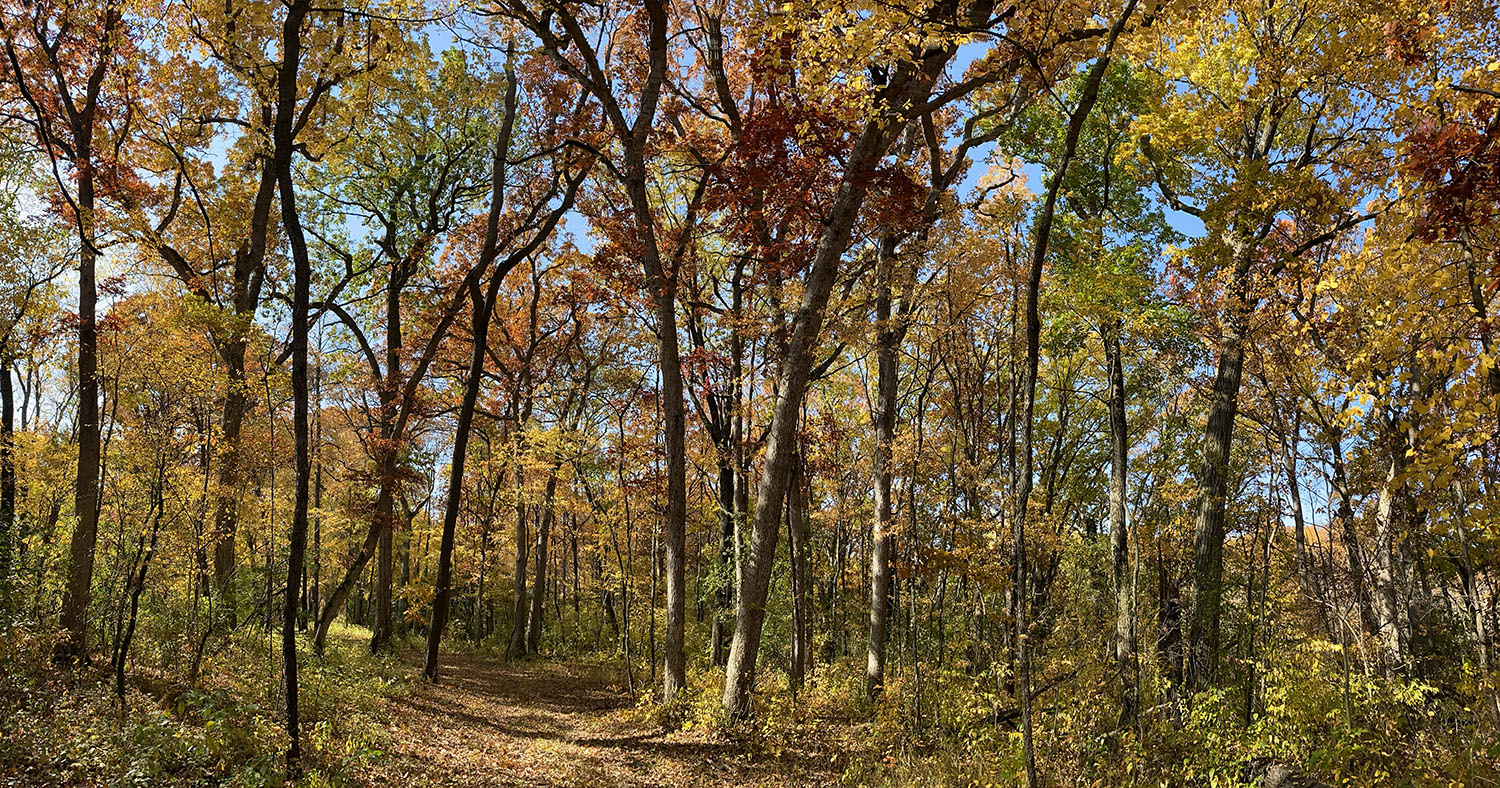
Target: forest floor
(539, 723)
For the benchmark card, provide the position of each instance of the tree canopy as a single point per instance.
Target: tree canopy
(1095, 392)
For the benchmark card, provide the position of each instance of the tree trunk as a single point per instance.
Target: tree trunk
(796, 526)
(719, 636)
(517, 646)
(385, 524)
(138, 582)
(227, 509)
(1213, 479)
(317, 521)
(1169, 624)
(340, 593)
(1350, 535)
(539, 584)
(73, 648)
(482, 302)
(302, 280)
(674, 425)
(781, 444)
(1033, 331)
(1387, 616)
(8, 535)
(888, 338)
(388, 448)
(663, 287)
(1118, 536)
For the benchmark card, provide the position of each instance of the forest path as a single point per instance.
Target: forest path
(489, 722)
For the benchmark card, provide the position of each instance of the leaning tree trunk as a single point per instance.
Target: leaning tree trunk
(483, 302)
(340, 593)
(781, 443)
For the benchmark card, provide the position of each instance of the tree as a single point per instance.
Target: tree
(1287, 118)
(906, 92)
(33, 255)
(572, 52)
(540, 211)
(412, 166)
(67, 64)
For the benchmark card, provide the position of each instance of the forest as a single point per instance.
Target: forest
(733, 392)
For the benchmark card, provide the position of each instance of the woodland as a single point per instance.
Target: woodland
(727, 392)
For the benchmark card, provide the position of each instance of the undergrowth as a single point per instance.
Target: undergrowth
(68, 728)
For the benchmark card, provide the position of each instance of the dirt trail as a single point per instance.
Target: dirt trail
(540, 724)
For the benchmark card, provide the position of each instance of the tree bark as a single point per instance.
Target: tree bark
(750, 612)
(1118, 536)
(1213, 479)
(282, 138)
(888, 340)
(539, 582)
(8, 535)
(75, 605)
(517, 646)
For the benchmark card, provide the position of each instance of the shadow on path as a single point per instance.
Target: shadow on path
(488, 722)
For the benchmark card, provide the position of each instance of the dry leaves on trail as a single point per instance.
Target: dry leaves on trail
(537, 724)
